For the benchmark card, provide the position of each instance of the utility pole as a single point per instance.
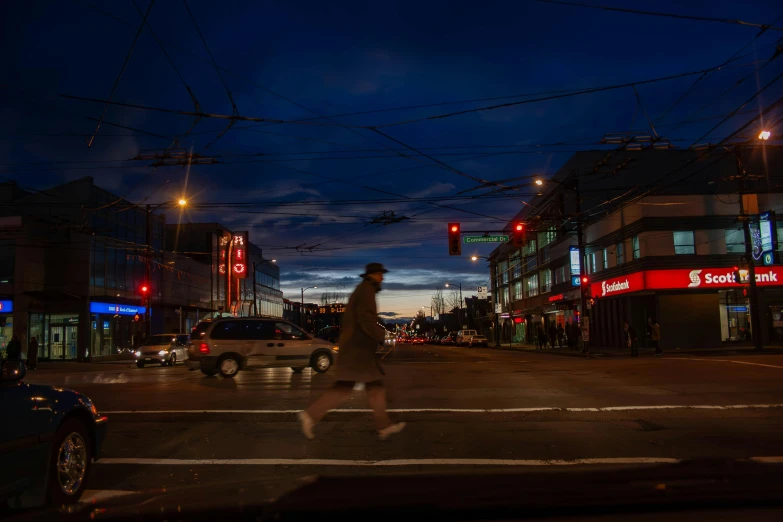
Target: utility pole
(755, 312)
(147, 272)
(582, 261)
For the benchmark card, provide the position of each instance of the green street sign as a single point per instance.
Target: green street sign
(485, 239)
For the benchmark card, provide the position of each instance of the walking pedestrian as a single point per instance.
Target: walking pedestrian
(552, 334)
(655, 335)
(14, 349)
(32, 353)
(540, 337)
(356, 363)
(560, 334)
(630, 339)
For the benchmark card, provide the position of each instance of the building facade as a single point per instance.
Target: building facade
(668, 255)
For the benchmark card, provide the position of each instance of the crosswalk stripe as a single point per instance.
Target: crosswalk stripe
(466, 410)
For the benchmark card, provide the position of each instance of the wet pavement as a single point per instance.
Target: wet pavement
(466, 409)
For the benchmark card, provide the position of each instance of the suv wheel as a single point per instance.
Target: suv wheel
(322, 361)
(228, 367)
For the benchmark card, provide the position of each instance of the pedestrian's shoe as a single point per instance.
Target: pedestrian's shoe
(388, 431)
(307, 425)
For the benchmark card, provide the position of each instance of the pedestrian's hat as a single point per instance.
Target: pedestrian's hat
(373, 268)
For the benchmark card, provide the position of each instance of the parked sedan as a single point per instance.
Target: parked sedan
(163, 349)
(50, 437)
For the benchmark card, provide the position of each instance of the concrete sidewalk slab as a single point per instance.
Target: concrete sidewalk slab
(644, 352)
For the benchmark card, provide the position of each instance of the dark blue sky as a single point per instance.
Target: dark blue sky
(298, 60)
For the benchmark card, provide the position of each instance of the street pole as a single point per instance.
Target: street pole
(755, 319)
(460, 307)
(255, 306)
(582, 261)
(147, 273)
(301, 311)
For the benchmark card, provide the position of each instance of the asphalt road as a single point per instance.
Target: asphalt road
(466, 409)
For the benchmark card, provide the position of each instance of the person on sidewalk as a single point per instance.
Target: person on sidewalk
(655, 335)
(631, 340)
(14, 349)
(32, 353)
(540, 337)
(560, 335)
(356, 363)
(552, 334)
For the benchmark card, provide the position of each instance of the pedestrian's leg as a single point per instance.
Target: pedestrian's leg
(376, 396)
(658, 347)
(331, 398)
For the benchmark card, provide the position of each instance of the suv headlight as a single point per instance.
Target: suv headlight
(162, 352)
(138, 353)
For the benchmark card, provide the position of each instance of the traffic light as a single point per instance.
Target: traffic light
(518, 235)
(145, 293)
(455, 240)
(584, 286)
(137, 318)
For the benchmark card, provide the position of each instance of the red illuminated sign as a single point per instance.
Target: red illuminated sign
(683, 279)
(517, 320)
(239, 255)
(558, 297)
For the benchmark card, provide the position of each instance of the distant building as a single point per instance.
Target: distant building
(665, 253)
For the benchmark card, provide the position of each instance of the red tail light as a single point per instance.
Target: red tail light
(203, 348)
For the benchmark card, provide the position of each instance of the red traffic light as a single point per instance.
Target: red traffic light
(518, 235)
(584, 279)
(455, 240)
(454, 228)
(144, 289)
(520, 227)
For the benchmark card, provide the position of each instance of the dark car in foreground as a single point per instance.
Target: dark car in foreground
(50, 437)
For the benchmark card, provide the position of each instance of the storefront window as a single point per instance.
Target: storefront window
(6, 330)
(113, 334)
(734, 316)
(606, 259)
(531, 285)
(636, 251)
(620, 252)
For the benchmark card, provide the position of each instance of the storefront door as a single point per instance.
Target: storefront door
(62, 340)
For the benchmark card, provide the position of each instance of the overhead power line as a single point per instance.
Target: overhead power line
(117, 80)
(666, 15)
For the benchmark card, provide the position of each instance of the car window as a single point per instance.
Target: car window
(288, 331)
(199, 330)
(256, 330)
(182, 339)
(226, 330)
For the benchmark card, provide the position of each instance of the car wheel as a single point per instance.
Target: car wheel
(69, 463)
(209, 373)
(140, 364)
(228, 367)
(173, 359)
(322, 361)
(297, 369)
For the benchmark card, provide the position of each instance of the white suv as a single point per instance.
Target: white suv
(464, 336)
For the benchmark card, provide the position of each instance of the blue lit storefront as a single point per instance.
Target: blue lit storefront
(115, 328)
(6, 323)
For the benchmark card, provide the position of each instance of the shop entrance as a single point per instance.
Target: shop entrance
(63, 337)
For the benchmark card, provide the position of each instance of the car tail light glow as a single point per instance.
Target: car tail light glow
(203, 348)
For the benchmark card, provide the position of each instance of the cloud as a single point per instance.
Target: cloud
(388, 314)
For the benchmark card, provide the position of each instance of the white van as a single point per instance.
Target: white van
(464, 336)
(228, 345)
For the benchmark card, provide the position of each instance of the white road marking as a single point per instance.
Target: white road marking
(98, 495)
(380, 463)
(466, 410)
(724, 360)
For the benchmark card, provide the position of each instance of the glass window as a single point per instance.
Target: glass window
(531, 285)
(735, 241)
(684, 242)
(226, 330)
(593, 263)
(606, 259)
(545, 280)
(518, 291)
(620, 253)
(260, 330)
(289, 331)
(635, 250)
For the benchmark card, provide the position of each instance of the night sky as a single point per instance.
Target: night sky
(317, 183)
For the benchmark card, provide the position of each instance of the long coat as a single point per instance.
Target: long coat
(359, 336)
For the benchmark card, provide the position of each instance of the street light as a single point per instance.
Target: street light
(459, 310)
(539, 182)
(301, 309)
(182, 202)
(764, 135)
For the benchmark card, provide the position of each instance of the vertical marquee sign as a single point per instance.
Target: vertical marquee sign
(239, 255)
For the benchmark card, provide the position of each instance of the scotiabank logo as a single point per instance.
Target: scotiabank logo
(695, 278)
(614, 287)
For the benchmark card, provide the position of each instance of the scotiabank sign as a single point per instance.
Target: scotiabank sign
(682, 279)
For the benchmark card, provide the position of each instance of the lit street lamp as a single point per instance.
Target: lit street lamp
(301, 309)
(764, 135)
(459, 309)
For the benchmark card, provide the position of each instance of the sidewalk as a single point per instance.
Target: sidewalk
(644, 352)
